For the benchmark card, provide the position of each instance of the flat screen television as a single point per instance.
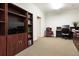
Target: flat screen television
(20, 27)
(15, 25)
(12, 24)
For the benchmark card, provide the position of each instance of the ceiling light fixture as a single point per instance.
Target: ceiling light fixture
(56, 5)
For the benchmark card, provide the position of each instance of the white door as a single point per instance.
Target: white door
(39, 27)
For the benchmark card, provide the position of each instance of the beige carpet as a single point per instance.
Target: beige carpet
(51, 47)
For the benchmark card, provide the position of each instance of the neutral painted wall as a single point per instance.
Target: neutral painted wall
(36, 12)
(62, 18)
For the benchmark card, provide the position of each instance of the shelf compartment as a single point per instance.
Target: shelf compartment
(29, 36)
(2, 21)
(1, 9)
(16, 9)
(30, 19)
(2, 5)
(30, 42)
(2, 28)
(30, 33)
(29, 15)
(2, 16)
(16, 14)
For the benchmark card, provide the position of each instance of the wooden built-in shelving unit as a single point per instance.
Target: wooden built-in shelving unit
(30, 28)
(14, 29)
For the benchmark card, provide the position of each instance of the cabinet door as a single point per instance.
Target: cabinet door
(22, 41)
(12, 44)
(2, 45)
(25, 40)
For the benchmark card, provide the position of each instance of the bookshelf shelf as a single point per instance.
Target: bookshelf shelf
(17, 14)
(1, 9)
(2, 21)
(30, 29)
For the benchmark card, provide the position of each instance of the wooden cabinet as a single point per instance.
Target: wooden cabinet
(16, 43)
(14, 29)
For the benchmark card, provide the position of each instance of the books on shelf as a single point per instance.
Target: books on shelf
(29, 36)
(29, 29)
(29, 42)
(29, 16)
(29, 22)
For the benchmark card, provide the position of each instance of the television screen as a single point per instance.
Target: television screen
(15, 25)
(20, 26)
(12, 24)
(20, 29)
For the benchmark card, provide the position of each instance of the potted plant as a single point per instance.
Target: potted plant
(75, 25)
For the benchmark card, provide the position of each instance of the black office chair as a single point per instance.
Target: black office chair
(65, 32)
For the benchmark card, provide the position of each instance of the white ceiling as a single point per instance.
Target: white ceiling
(45, 7)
